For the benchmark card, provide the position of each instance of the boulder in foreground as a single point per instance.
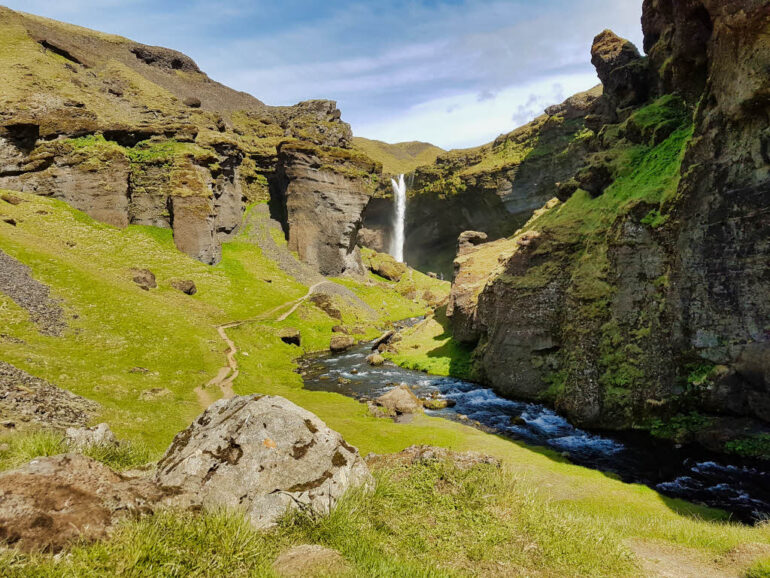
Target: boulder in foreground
(262, 455)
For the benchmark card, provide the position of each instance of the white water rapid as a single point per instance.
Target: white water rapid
(397, 242)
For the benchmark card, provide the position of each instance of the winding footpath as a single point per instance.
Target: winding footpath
(227, 374)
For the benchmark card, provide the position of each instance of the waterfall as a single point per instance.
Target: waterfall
(397, 242)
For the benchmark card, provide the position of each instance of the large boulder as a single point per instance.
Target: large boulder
(340, 343)
(386, 266)
(262, 455)
(53, 501)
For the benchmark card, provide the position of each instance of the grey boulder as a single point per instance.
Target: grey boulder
(262, 455)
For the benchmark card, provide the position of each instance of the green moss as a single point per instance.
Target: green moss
(654, 219)
(757, 446)
(165, 152)
(669, 108)
(680, 427)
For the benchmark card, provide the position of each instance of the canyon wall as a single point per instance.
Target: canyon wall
(494, 188)
(136, 134)
(639, 298)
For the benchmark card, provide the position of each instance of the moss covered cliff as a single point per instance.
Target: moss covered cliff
(636, 298)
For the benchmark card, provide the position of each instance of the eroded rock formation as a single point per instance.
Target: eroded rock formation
(126, 138)
(324, 193)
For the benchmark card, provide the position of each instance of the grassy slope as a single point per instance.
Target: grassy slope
(400, 157)
(427, 522)
(120, 327)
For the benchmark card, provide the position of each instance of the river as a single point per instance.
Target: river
(740, 487)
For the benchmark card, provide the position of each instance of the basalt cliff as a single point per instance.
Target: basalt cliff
(135, 134)
(637, 296)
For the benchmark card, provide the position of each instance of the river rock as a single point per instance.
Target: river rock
(400, 400)
(383, 339)
(375, 360)
(436, 404)
(340, 343)
(79, 439)
(53, 501)
(262, 455)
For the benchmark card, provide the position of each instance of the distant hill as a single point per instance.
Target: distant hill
(398, 158)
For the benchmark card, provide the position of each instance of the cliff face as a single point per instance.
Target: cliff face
(493, 189)
(642, 296)
(135, 134)
(324, 193)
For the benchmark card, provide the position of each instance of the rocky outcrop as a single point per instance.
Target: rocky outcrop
(623, 72)
(324, 194)
(262, 455)
(469, 240)
(26, 400)
(641, 299)
(258, 454)
(135, 134)
(54, 501)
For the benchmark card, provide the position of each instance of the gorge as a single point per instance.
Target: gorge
(232, 288)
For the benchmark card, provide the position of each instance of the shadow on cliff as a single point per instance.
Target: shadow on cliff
(459, 355)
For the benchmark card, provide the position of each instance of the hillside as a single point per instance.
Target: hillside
(398, 158)
(145, 357)
(135, 134)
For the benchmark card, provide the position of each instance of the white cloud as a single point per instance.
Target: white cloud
(464, 121)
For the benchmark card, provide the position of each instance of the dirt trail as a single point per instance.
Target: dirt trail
(227, 374)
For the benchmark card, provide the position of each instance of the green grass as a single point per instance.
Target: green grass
(760, 569)
(429, 347)
(506, 527)
(115, 327)
(21, 448)
(400, 158)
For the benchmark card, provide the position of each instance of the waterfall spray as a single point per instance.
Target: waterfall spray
(397, 243)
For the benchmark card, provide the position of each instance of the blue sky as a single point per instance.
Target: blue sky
(455, 72)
